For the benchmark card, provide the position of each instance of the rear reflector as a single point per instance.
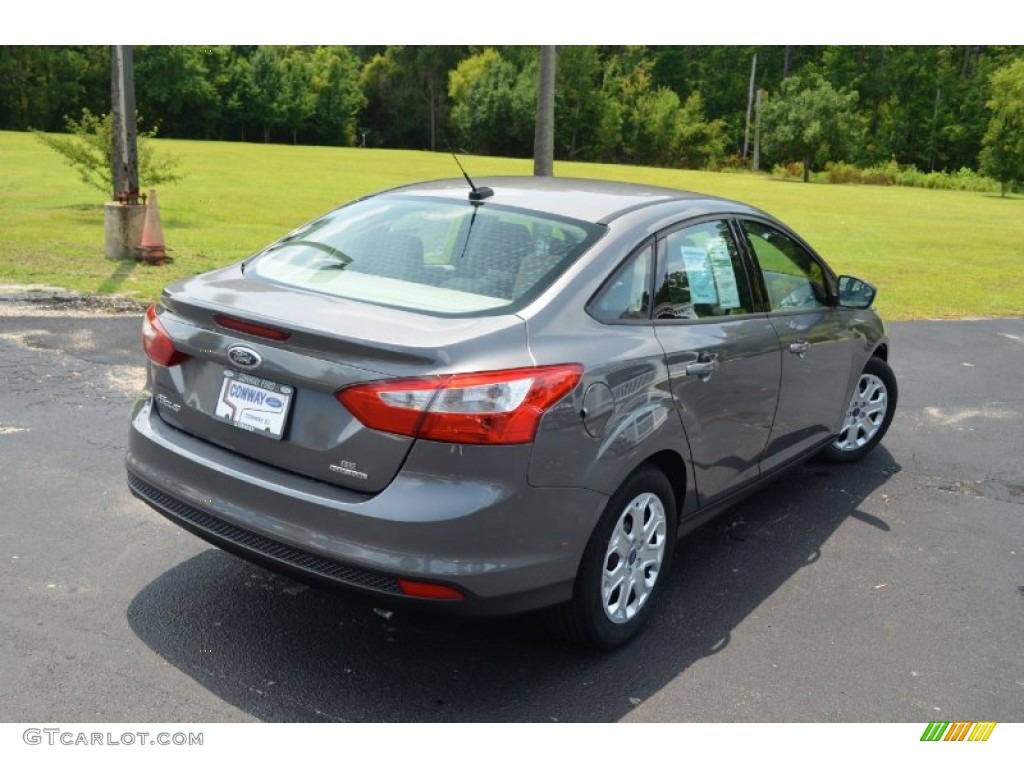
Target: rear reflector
(253, 329)
(157, 343)
(431, 591)
(490, 408)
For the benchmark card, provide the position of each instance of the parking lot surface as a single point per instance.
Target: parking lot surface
(888, 591)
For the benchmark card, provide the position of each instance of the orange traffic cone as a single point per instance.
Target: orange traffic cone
(152, 246)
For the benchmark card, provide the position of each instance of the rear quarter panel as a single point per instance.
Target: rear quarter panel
(622, 412)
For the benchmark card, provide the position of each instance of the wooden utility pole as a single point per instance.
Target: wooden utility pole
(757, 131)
(750, 104)
(123, 216)
(544, 134)
(124, 155)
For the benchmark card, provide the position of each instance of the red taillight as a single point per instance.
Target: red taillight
(158, 345)
(492, 408)
(431, 591)
(253, 329)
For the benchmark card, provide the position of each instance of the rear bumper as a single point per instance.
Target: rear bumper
(464, 517)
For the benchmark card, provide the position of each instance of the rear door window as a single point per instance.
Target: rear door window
(700, 274)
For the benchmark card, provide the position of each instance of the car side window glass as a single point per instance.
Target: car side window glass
(792, 277)
(627, 296)
(700, 274)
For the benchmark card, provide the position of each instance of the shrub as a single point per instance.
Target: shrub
(791, 170)
(844, 173)
(894, 174)
(89, 146)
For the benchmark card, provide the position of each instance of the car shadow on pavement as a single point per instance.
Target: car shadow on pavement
(282, 652)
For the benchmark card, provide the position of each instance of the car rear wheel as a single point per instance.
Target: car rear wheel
(868, 414)
(624, 565)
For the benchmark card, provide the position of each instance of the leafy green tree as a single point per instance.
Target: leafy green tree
(579, 102)
(608, 131)
(338, 96)
(654, 125)
(40, 84)
(253, 82)
(639, 111)
(916, 85)
(296, 99)
(720, 73)
(430, 65)
(811, 122)
(651, 124)
(493, 104)
(391, 102)
(698, 142)
(1002, 155)
(966, 110)
(89, 146)
(922, 105)
(406, 95)
(239, 86)
(173, 87)
(470, 70)
(264, 89)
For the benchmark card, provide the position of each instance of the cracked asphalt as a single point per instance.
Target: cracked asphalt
(888, 591)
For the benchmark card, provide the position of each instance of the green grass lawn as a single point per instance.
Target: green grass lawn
(932, 253)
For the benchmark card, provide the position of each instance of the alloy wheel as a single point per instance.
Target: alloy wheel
(633, 558)
(865, 415)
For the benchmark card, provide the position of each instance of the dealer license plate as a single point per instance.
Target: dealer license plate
(254, 404)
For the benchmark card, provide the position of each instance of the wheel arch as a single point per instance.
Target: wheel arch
(673, 467)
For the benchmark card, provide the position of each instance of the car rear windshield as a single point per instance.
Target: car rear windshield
(434, 256)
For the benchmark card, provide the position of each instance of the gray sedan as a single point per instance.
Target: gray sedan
(502, 398)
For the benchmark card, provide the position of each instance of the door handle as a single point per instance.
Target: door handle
(702, 369)
(799, 348)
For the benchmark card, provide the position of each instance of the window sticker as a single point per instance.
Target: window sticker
(702, 284)
(724, 273)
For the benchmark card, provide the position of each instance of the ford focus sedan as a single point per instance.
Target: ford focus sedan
(502, 397)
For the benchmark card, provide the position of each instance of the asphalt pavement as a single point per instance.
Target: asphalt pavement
(888, 591)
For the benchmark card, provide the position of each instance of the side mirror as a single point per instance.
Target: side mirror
(854, 293)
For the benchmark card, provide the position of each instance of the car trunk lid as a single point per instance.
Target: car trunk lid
(272, 397)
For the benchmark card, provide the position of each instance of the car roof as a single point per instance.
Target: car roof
(590, 200)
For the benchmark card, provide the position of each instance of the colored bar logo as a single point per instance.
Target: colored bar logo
(958, 731)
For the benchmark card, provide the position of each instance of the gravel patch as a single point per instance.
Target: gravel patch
(17, 299)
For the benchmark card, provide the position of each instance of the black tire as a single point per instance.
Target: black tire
(868, 415)
(646, 496)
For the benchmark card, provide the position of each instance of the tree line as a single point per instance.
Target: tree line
(677, 106)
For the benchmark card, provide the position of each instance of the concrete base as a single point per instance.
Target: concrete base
(123, 230)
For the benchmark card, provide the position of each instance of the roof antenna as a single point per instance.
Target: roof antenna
(478, 194)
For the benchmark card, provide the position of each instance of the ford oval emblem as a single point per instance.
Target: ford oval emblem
(244, 357)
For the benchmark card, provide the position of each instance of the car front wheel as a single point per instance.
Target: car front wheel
(624, 565)
(868, 414)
